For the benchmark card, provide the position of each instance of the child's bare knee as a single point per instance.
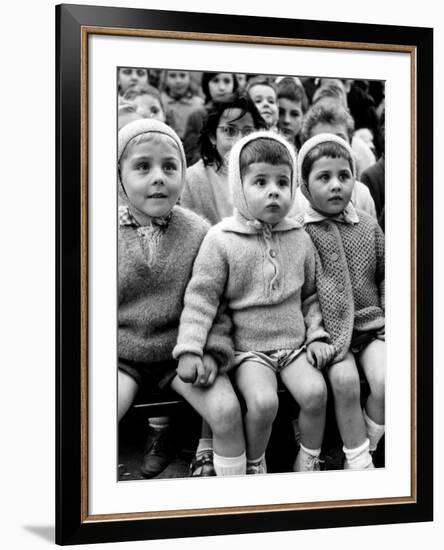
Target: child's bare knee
(314, 399)
(263, 406)
(346, 385)
(225, 415)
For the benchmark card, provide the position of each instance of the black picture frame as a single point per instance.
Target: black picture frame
(73, 523)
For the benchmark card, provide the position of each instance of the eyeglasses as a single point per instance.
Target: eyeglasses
(232, 132)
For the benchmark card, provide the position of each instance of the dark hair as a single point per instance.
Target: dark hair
(330, 149)
(267, 150)
(291, 90)
(208, 151)
(326, 111)
(207, 77)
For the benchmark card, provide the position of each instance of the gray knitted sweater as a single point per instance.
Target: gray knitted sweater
(150, 292)
(349, 277)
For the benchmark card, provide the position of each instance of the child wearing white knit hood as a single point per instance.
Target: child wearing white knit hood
(350, 278)
(158, 242)
(263, 264)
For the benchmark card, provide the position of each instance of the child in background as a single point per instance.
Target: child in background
(293, 104)
(351, 289)
(329, 116)
(263, 264)
(146, 100)
(127, 112)
(217, 88)
(131, 76)
(158, 242)
(179, 99)
(206, 190)
(263, 94)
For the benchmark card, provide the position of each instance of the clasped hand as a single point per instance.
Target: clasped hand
(319, 354)
(199, 371)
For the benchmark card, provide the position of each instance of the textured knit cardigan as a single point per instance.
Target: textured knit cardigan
(349, 277)
(267, 276)
(151, 293)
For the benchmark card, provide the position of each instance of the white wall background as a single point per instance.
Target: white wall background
(27, 274)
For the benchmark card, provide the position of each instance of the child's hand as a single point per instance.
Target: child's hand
(319, 354)
(188, 368)
(209, 371)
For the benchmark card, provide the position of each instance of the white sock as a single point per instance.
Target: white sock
(374, 431)
(304, 460)
(358, 458)
(230, 465)
(159, 422)
(205, 444)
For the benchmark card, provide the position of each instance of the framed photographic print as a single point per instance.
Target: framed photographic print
(372, 86)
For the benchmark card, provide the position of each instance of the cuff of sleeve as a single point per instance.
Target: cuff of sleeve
(181, 349)
(318, 336)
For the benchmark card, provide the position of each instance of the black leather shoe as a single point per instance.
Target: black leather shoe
(159, 452)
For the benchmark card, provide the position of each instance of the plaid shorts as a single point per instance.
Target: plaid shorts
(276, 360)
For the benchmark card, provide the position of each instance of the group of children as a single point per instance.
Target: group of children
(262, 260)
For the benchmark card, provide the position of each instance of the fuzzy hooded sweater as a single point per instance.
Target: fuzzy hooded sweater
(266, 274)
(350, 265)
(152, 279)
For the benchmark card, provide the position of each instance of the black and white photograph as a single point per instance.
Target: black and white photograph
(243, 348)
(251, 273)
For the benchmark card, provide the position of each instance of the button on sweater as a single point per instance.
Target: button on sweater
(349, 276)
(272, 300)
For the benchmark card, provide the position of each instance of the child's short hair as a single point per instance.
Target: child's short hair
(242, 101)
(265, 150)
(327, 111)
(330, 149)
(288, 88)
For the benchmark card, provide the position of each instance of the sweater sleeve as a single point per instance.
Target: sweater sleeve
(311, 309)
(202, 298)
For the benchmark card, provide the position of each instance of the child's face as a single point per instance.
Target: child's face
(265, 99)
(178, 82)
(131, 77)
(339, 130)
(267, 190)
(151, 175)
(290, 117)
(330, 184)
(149, 107)
(221, 86)
(232, 126)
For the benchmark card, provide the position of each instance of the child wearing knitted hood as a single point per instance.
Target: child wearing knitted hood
(263, 264)
(350, 281)
(158, 242)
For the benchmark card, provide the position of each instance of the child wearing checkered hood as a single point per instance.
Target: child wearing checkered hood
(158, 242)
(351, 289)
(263, 264)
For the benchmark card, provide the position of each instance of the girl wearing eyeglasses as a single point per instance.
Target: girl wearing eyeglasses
(206, 189)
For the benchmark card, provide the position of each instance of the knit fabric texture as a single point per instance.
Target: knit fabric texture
(265, 273)
(350, 270)
(207, 192)
(150, 292)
